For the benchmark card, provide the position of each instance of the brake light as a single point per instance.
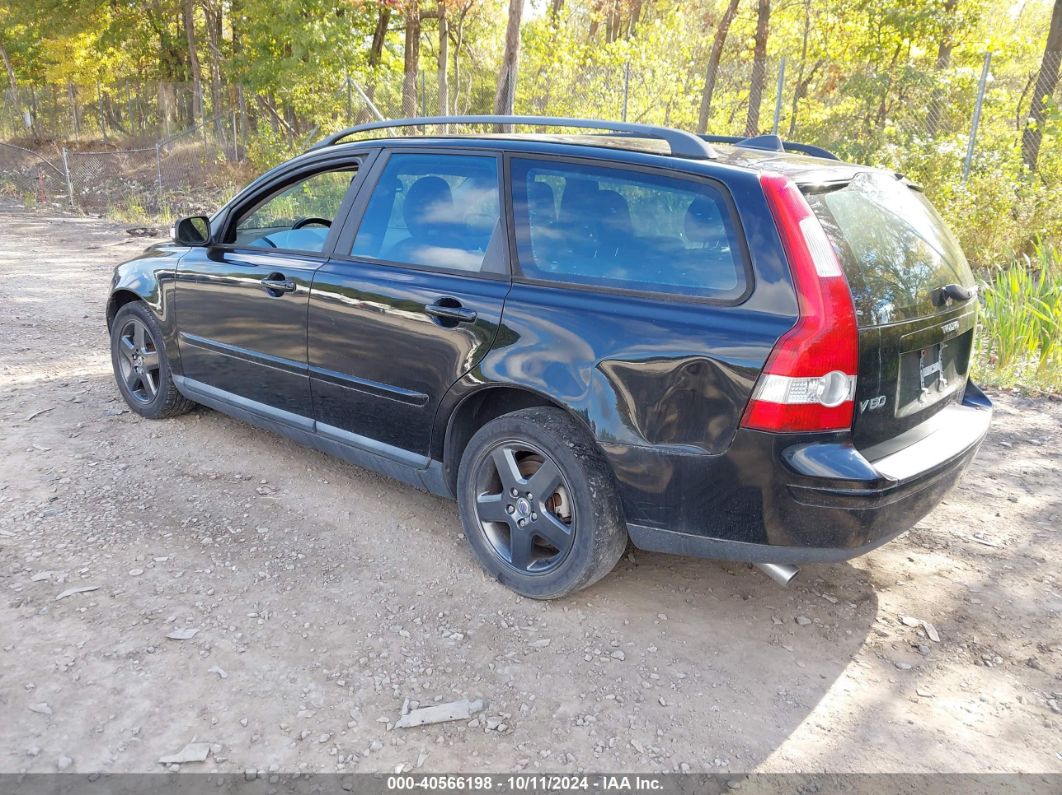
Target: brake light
(809, 381)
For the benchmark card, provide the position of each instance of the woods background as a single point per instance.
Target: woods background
(162, 107)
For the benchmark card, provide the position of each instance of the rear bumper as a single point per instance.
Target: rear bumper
(782, 499)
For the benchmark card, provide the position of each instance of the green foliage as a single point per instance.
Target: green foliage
(1021, 322)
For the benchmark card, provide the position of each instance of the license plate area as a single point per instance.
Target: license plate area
(932, 372)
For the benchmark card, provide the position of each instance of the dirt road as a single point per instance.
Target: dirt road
(324, 597)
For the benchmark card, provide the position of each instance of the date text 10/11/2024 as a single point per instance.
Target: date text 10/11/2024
(525, 783)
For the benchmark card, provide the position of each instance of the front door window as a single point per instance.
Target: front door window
(298, 217)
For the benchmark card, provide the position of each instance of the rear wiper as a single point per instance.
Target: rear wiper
(952, 292)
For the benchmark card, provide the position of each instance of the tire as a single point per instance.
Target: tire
(573, 532)
(141, 366)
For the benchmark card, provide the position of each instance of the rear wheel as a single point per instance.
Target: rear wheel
(539, 505)
(141, 368)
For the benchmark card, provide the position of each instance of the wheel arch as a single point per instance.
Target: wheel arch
(477, 409)
(117, 300)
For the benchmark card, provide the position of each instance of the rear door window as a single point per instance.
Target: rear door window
(625, 229)
(438, 211)
(895, 249)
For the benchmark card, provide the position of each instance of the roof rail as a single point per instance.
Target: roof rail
(681, 143)
(770, 143)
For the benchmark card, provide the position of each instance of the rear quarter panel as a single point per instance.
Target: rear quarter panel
(645, 371)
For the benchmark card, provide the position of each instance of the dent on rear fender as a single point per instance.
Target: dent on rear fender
(691, 404)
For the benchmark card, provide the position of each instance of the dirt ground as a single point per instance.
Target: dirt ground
(325, 597)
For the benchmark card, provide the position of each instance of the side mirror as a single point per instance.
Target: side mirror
(192, 231)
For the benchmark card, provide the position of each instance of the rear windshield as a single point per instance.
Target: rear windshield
(894, 247)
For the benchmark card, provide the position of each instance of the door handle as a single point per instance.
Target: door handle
(276, 283)
(451, 310)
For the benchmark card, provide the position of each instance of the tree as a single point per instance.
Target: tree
(457, 34)
(188, 16)
(503, 96)
(444, 42)
(712, 72)
(379, 38)
(944, 49)
(213, 11)
(759, 67)
(805, 74)
(1046, 82)
(411, 59)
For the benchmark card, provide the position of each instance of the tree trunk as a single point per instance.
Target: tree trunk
(443, 55)
(214, 19)
(506, 91)
(10, 73)
(636, 17)
(411, 59)
(759, 68)
(555, 7)
(800, 91)
(188, 16)
(235, 10)
(801, 67)
(1046, 82)
(75, 112)
(944, 48)
(712, 73)
(459, 39)
(379, 38)
(27, 115)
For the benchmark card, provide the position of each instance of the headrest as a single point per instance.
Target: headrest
(429, 202)
(615, 211)
(703, 224)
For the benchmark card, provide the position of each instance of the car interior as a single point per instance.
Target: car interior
(627, 234)
(297, 218)
(436, 211)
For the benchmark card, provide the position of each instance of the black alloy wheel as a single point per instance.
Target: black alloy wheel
(139, 361)
(524, 507)
(141, 366)
(539, 503)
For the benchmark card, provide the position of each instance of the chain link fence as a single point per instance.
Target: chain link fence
(181, 173)
(114, 148)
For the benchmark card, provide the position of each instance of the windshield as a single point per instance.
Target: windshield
(894, 247)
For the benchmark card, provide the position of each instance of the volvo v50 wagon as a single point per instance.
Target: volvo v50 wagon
(734, 349)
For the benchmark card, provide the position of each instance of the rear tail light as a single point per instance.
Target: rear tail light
(809, 381)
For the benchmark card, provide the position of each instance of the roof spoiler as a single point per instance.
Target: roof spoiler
(770, 143)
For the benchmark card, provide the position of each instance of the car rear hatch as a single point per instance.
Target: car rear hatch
(914, 300)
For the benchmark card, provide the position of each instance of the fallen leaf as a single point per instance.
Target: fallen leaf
(182, 633)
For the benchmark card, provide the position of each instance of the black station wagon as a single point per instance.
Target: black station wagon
(736, 349)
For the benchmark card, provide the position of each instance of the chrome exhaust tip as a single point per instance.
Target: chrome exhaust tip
(781, 573)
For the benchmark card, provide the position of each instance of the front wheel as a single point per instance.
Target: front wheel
(539, 504)
(141, 368)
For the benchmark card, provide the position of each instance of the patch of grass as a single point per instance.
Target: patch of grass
(1020, 343)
